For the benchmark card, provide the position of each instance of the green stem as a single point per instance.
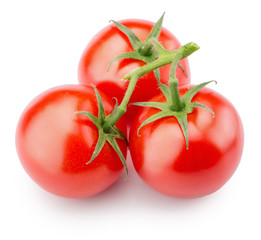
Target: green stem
(175, 97)
(174, 85)
(165, 57)
(146, 49)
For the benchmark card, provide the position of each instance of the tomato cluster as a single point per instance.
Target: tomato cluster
(71, 139)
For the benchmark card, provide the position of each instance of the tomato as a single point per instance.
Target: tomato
(111, 42)
(162, 160)
(54, 144)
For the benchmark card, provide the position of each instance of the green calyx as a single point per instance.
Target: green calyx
(167, 109)
(143, 51)
(176, 106)
(109, 135)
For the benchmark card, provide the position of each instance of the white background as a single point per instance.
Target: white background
(40, 46)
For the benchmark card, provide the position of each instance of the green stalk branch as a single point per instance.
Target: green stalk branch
(165, 57)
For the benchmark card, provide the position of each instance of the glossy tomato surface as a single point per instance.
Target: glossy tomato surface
(54, 144)
(111, 42)
(215, 148)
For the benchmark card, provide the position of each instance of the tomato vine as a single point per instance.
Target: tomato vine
(156, 56)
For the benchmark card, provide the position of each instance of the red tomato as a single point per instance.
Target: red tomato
(111, 42)
(215, 147)
(54, 144)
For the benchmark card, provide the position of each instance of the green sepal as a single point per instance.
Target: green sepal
(158, 105)
(99, 145)
(166, 91)
(90, 116)
(131, 55)
(116, 147)
(134, 40)
(101, 111)
(114, 108)
(182, 68)
(156, 30)
(183, 122)
(155, 117)
(117, 133)
(197, 104)
(134, 55)
(187, 97)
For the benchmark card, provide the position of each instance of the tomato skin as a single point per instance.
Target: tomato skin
(111, 42)
(54, 144)
(160, 156)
